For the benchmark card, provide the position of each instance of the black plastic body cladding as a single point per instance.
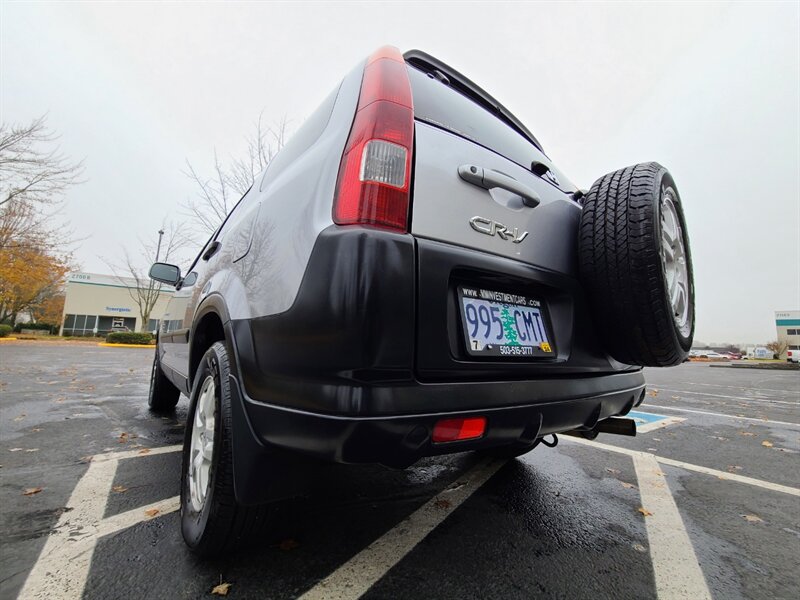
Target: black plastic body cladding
(342, 375)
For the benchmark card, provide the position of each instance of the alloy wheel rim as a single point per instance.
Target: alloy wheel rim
(675, 262)
(201, 451)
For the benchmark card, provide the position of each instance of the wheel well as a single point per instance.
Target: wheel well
(207, 331)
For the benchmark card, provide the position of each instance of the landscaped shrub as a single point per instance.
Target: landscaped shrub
(5, 330)
(53, 329)
(129, 337)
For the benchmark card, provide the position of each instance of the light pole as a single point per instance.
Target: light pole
(158, 249)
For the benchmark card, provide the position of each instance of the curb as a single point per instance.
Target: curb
(8, 339)
(104, 345)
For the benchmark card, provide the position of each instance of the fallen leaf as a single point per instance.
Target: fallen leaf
(656, 439)
(442, 503)
(732, 468)
(652, 449)
(20, 417)
(645, 512)
(221, 589)
(747, 433)
(31, 491)
(767, 444)
(639, 548)
(630, 486)
(36, 429)
(612, 471)
(123, 437)
(653, 393)
(31, 450)
(152, 512)
(86, 459)
(753, 519)
(14, 449)
(289, 544)
(144, 451)
(120, 488)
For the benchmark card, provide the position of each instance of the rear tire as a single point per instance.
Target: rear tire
(212, 522)
(163, 396)
(636, 267)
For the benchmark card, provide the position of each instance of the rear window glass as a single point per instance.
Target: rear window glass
(437, 104)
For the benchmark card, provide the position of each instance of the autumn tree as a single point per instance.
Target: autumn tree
(29, 279)
(218, 193)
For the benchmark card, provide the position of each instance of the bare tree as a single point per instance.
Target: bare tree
(34, 175)
(777, 347)
(146, 291)
(217, 194)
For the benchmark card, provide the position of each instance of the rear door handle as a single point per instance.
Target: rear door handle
(489, 179)
(212, 250)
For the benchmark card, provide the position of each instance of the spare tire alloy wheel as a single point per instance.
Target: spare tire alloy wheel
(636, 267)
(673, 256)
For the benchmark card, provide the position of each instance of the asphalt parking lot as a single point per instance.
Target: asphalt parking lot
(704, 502)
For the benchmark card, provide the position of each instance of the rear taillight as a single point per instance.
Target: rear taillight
(374, 183)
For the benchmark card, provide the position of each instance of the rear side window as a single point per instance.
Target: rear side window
(438, 104)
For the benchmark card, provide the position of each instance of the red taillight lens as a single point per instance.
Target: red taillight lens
(451, 430)
(374, 183)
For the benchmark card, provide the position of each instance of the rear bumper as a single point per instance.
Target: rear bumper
(539, 408)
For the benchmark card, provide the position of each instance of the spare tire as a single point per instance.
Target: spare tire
(636, 267)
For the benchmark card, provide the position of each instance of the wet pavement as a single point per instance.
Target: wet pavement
(716, 465)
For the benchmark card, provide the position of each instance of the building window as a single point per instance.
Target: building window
(80, 325)
(152, 325)
(791, 332)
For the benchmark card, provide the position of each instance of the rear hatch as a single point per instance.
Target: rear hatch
(527, 217)
(514, 309)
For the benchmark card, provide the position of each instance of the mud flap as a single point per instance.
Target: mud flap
(261, 473)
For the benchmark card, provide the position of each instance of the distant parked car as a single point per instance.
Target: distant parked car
(119, 329)
(733, 355)
(793, 356)
(716, 356)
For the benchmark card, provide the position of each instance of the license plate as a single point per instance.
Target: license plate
(500, 324)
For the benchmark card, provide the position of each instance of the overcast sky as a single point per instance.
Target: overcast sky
(709, 90)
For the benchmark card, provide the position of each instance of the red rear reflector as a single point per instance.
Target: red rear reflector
(374, 183)
(451, 430)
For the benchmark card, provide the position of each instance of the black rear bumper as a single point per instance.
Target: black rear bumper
(539, 408)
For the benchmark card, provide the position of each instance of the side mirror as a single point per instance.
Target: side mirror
(164, 273)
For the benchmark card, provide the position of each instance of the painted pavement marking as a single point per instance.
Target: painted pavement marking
(768, 485)
(677, 572)
(716, 414)
(63, 565)
(647, 422)
(360, 573)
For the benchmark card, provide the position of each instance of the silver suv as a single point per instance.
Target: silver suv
(412, 276)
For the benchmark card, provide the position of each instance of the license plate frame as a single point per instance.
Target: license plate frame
(534, 340)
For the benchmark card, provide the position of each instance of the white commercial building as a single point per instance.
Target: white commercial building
(94, 304)
(787, 323)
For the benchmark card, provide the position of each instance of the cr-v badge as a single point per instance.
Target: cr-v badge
(489, 227)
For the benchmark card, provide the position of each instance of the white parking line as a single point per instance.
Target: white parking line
(63, 564)
(677, 572)
(767, 485)
(745, 398)
(361, 572)
(716, 414)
